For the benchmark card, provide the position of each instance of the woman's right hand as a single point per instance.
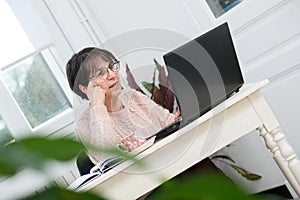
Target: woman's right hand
(96, 94)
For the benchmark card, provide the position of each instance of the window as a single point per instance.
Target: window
(5, 135)
(34, 92)
(219, 7)
(35, 88)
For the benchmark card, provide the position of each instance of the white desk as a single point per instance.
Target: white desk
(243, 112)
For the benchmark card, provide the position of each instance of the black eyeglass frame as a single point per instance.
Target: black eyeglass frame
(114, 66)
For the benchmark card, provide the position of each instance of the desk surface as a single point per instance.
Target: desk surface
(219, 127)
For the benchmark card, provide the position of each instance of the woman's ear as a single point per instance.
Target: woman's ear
(82, 88)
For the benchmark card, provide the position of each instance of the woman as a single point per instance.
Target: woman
(115, 117)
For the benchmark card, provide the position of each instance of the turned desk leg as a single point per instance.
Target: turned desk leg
(287, 153)
(274, 149)
(289, 164)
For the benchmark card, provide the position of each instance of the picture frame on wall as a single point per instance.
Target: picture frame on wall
(219, 7)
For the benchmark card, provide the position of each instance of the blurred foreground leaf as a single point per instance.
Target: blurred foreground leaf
(202, 187)
(62, 194)
(33, 152)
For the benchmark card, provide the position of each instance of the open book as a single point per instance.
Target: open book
(106, 165)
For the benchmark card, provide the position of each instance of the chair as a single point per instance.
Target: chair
(84, 164)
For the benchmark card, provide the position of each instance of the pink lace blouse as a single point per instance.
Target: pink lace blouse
(140, 118)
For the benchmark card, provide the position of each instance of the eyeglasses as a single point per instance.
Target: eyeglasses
(102, 73)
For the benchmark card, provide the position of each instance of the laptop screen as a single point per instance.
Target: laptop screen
(204, 72)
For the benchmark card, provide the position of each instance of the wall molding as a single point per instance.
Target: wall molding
(259, 18)
(286, 65)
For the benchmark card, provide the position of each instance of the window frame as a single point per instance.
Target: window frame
(11, 112)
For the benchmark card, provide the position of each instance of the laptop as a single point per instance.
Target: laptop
(203, 72)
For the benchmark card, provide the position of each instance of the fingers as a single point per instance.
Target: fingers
(177, 114)
(95, 93)
(103, 86)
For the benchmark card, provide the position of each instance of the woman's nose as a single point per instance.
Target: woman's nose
(110, 74)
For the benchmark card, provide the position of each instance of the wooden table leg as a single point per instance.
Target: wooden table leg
(281, 163)
(289, 164)
(287, 153)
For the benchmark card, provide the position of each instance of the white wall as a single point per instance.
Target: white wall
(138, 31)
(266, 35)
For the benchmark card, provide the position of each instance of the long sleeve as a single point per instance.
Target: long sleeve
(156, 113)
(96, 128)
(140, 118)
(101, 124)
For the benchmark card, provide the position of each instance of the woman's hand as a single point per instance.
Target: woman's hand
(96, 93)
(177, 114)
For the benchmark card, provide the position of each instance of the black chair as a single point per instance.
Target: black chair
(84, 164)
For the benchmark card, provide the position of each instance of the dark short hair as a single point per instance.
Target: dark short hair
(84, 63)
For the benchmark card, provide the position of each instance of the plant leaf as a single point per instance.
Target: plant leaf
(131, 81)
(158, 66)
(149, 87)
(33, 152)
(253, 177)
(223, 157)
(240, 170)
(166, 98)
(52, 148)
(162, 77)
(158, 98)
(245, 173)
(200, 186)
(163, 94)
(152, 91)
(62, 194)
(169, 100)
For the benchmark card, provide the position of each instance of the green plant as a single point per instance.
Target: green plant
(161, 93)
(205, 186)
(36, 152)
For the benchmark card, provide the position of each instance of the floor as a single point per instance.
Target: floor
(278, 193)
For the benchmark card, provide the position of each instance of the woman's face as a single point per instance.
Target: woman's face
(107, 77)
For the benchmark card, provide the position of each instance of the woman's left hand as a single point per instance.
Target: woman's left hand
(177, 114)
